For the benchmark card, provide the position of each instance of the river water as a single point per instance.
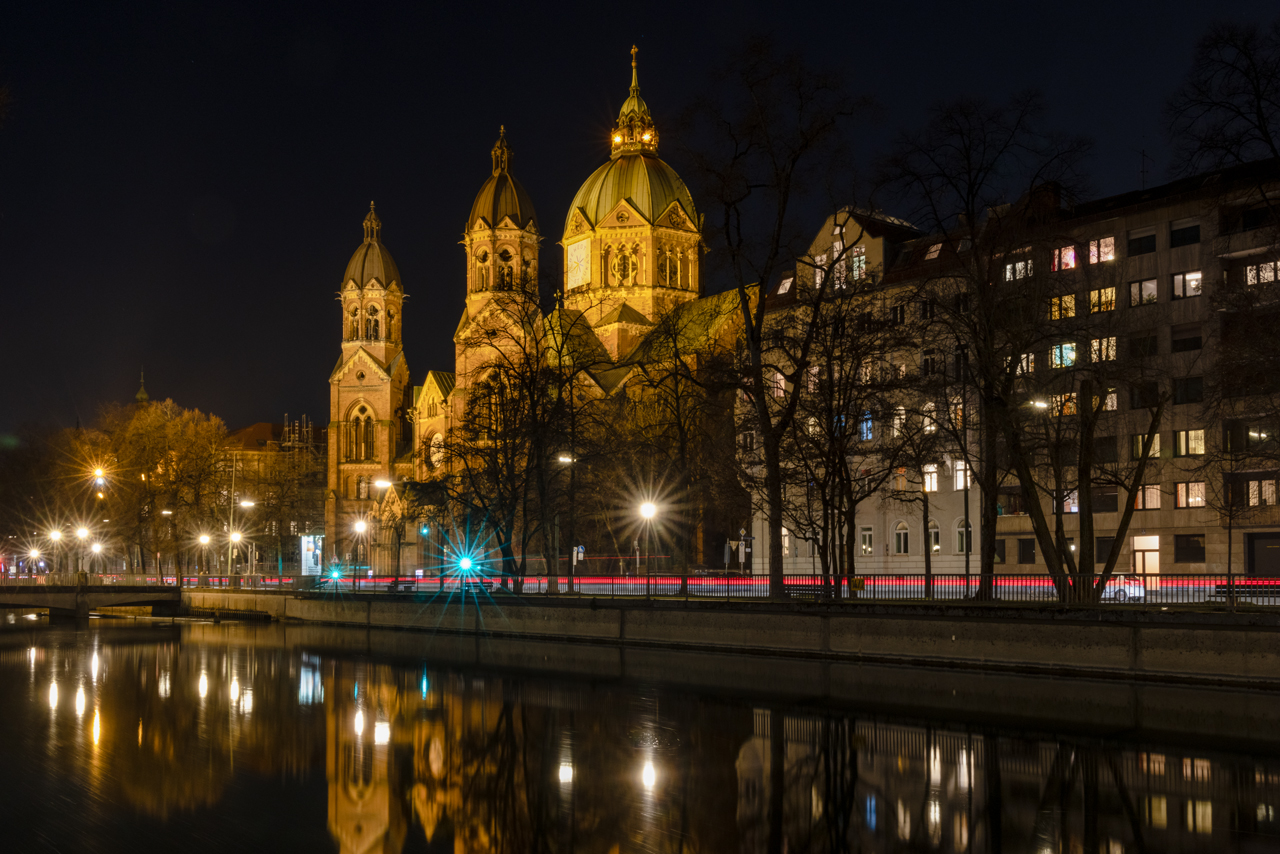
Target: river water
(155, 736)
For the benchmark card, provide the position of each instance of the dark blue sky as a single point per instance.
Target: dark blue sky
(181, 183)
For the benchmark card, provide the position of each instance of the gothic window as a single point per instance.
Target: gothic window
(362, 487)
(669, 268)
(505, 270)
(371, 323)
(391, 316)
(623, 266)
(482, 271)
(354, 327)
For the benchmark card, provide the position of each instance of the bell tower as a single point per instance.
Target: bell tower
(369, 439)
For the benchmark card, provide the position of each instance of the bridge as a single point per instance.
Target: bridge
(64, 597)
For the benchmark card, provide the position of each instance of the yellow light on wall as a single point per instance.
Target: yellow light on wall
(617, 138)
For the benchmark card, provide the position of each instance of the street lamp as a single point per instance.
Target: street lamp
(647, 512)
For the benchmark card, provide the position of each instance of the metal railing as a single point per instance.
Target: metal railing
(1205, 590)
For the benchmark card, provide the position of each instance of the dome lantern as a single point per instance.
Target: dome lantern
(635, 130)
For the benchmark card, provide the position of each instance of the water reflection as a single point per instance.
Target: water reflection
(416, 758)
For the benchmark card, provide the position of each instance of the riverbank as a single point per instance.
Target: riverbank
(1209, 649)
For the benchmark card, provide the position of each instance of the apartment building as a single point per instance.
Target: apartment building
(1122, 303)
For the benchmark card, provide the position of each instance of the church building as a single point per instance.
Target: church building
(631, 244)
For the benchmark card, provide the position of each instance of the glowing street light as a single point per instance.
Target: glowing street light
(98, 473)
(647, 510)
(96, 548)
(361, 526)
(649, 776)
(465, 564)
(55, 535)
(246, 503)
(204, 539)
(382, 484)
(82, 533)
(235, 536)
(33, 554)
(566, 773)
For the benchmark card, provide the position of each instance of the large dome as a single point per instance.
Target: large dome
(502, 195)
(372, 260)
(648, 183)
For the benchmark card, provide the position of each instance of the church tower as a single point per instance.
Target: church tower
(632, 237)
(369, 439)
(501, 246)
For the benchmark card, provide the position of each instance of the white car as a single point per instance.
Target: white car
(1124, 588)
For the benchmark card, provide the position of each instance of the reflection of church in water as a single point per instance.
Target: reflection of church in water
(631, 243)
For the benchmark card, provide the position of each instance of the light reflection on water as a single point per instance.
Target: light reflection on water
(230, 746)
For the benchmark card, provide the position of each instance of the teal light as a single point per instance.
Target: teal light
(465, 564)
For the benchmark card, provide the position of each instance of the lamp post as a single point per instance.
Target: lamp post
(82, 534)
(647, 512)
(204, 557)
(55, 537)
(361, 527)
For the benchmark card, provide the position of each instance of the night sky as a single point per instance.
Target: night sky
(182, 183)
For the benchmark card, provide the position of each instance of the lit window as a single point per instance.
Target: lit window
(930, 418)
(933, 252)
(866, 541)
(1138, 440)
(1256, 274)
(899, 421)
(1109, 403)
(1064, 258)
(931, 478)
(1027, 364)
(963, 476)
(1063, 404)
(935, 537)
(1200, 815)
(864, 427)
(819, 270)
(1186, 285)
(1102, 299)
(900, 480)
(785, 286)
(1063, 355)
(1063, 307)
(857, 263)
(1147, 497)
(901, 540)
(1017, 270)
(1262, 492)
(1142, 293)
(1188, 443)
(1102, 349)
(779, 384)
(1190, 494)
(1103, 249)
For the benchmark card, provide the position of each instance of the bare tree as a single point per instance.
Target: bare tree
(767, 143)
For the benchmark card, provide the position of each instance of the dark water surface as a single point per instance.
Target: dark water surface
(156, 737)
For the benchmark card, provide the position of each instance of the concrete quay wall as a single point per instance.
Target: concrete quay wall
(1240, 650)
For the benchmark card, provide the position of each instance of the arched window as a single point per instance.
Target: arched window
(901, 539)
(371, 323)
(482, 271)
(437, 450)
(353, 329)
(935, 537)
(962, 538)
(362, 487)
(505, 272)
(391, 317)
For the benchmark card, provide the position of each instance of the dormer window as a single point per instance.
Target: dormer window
(933, 252)
(785, 287)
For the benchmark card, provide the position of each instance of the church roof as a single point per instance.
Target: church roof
(624, 314)
(644, 180)
(502, 195)
(372, 260)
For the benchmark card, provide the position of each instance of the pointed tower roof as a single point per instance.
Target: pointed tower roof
(372, 260)
(502, 195)
(142, 396)
(635, 130)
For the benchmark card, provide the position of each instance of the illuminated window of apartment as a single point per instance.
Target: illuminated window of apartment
(1156, 811)
(1027, 364)
(1151, 763)
(1195, 769)
(819, 270)
(901, 539)
(1189, 494)
(1110, 402)
(935, 537)
(1258, 274)
(1063, 355)
(1142, 243)
(1147, 497)
(899, 421)
(931, 478)
(811, 378)
(933, 252)
(1015, 270)
(786, 285)
(900, 479)
(1063, 404)
(837, 270)
(930, 419)
(956, 408)
(865, 433)
(1102, 299)
(779, 385)
(1186, 285)
(963, 477)
(1188, 390)
(866, 541)
(1262, 493)
(1063, 307)
(1142, 293)
(857, 263)
(1064, 258)
(1102, 349)
(1199, 816)
(1135, 450)
(1101, 250)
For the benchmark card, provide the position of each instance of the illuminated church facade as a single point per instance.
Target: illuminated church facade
(631, 244)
